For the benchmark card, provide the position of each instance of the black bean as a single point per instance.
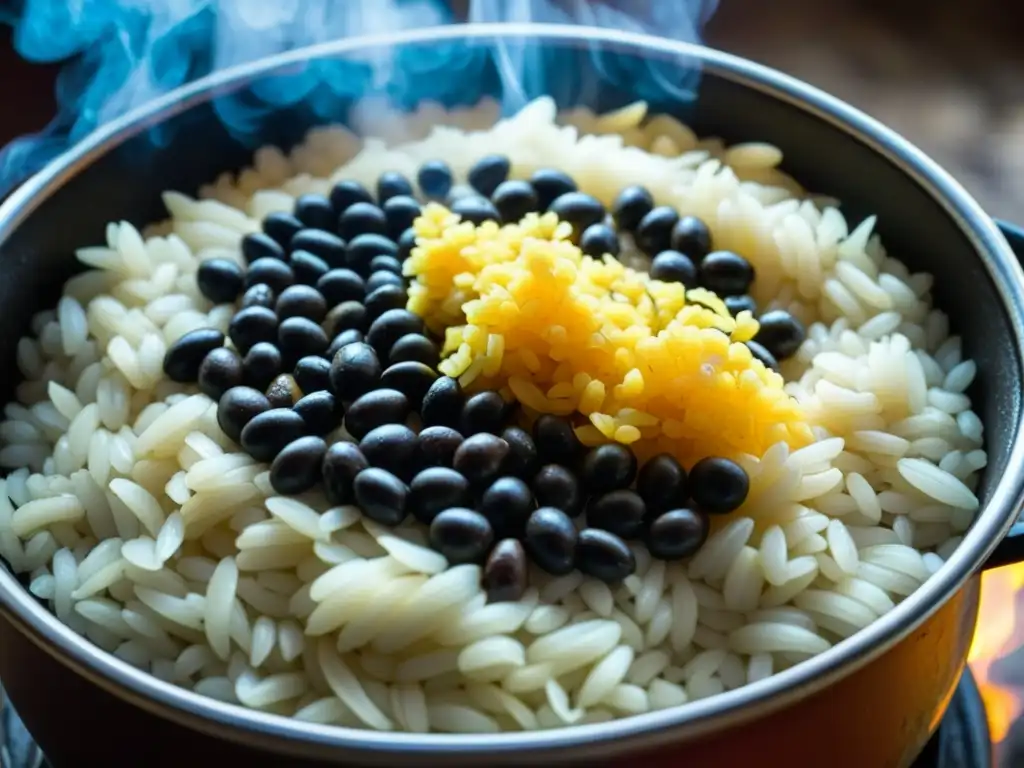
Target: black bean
(514, 199)
(340, 285)
(220, 370)
(355, 370)
(505, 572)
(313, 374)
(677, 534)
(674, 267)
(654, 232)
(608, 468)
(459, 191)
(301, 301)
(341, 464)
(283, 392)
(461, 535)
(384, 298)
(550, 184)
(347, 193)
(320, 411)
(599, 239)
(522, 460)
(411, 379)
(363, 248)
(662, 483)
(259, 295)
(258, 245)
(298, 337)
(435, 489)
(220, 280)
(315, 211)
(550, 540)
(438, 445)
(381, 496)
(579, 209)
(361, 219)
(415, 347)
(400, 212)
(780, 333)
(281, 227)
(252, 325)
(483, 412)
(383, 277)
(375, 409)
(273, 272)
(406, 242)
(435, 179)
(262, 363)
(604, 556)
(349, 315)
(556, 440)
(307, 268)
(323, 245)
(442, 404)
(718, 485)
(237, 407)
(184, 357)
(691, 236)
(296, 468)
(475, 209)
(488, 172)
(507, 504)
(762, 354)
(269, 432)
(392, 184)
(479, 458)
(555, 486)
(737, 304)
(393, 447)
(622, 512)
(386, 264)
(351, 336)
(630, 207)
(262, 370)
(726, 273)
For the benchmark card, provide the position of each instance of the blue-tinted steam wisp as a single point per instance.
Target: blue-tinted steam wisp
(120, 54)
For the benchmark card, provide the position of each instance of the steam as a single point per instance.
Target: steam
(121, 54)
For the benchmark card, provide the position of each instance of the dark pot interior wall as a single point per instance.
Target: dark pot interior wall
(948, 74)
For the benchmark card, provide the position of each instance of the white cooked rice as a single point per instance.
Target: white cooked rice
(145, 528)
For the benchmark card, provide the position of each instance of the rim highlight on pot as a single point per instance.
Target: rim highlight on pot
(641, 731)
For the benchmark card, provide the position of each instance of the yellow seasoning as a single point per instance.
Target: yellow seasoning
(645, 363)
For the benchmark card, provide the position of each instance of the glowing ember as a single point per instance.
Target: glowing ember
(998, 634)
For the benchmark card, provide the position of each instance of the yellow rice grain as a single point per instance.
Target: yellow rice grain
(627, 434)
(592, 397)
(528, 394)
(563, 389)
(524, 311)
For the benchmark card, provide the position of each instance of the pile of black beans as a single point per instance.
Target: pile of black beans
(322, 339)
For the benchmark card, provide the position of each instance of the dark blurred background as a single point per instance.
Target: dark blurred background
(948, 74)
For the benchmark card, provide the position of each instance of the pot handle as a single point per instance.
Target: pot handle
(1011, 549)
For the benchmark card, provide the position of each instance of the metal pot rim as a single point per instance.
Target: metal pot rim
(643, 731)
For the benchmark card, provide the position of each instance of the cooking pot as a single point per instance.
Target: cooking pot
(872, 700)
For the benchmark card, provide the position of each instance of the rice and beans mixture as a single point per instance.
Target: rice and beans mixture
(506, 425)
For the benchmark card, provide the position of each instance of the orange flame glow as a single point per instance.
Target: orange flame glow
(999, 633)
